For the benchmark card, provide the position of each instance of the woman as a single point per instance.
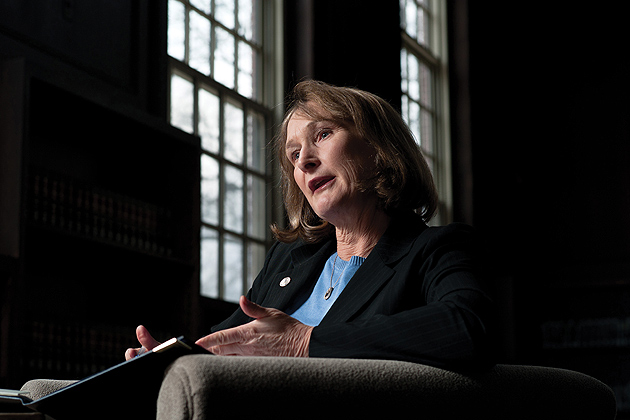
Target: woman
(358, 195)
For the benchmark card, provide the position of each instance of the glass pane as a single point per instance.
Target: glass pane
(427, 131)
(176, 30)
(203, 5)
(403, 70)
(232, 268)
(209, 120)
(256, 140)
(246, 19)
(405, 108)
(414, 75)
(423, 28)
(402, 6)
(224, 12)
(255, 261)
(428, 24)
(233, 204)
(233, 137)
(209, 190)
(224, 58)
(256, 207)
(246, 70)
(431, 164)
(209, 263)
(199, 52)
(426, 89)
(414, 121)
(182, 107)
(411, 13)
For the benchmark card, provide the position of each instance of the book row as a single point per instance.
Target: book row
(67, 205)
(586, 333)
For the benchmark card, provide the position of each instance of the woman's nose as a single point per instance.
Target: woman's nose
(308, 159)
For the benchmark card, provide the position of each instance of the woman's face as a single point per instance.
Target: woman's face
(328, 160)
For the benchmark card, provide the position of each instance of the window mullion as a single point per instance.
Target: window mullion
(187, 32)
(418, 50)
(235, 75)
(213, 46)
(245, 198)
(222, 194)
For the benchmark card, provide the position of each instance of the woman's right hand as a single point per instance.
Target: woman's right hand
(146, 341)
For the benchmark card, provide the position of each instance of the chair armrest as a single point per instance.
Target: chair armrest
(39, 388)
(205, 386)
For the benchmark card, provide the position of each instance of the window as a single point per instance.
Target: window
(425, 89)
(218, 66)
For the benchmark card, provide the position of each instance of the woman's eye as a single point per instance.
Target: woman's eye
(295, 155)
(324, 134)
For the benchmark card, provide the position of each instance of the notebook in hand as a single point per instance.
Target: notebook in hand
(126, 390)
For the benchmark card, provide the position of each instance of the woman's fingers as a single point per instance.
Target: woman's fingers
(254, 310)
(145, 338)
(131, 353)
(146, 341)
(272, 333)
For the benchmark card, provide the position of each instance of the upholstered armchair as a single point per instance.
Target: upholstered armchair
(211, 387)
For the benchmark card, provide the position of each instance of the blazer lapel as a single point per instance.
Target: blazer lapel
(307, 264)
(365, 283)
(375, 271)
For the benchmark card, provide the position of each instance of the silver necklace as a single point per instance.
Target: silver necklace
(331, 288)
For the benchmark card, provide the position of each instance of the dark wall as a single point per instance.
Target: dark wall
(353, 43)
(550, 137)
(112, 52)
(551, 131)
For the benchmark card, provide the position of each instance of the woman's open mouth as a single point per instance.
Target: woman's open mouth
(319, 182)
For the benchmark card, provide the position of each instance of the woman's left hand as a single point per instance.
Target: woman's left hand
(272, 333)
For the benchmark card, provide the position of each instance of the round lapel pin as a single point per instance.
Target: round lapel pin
(285, 281)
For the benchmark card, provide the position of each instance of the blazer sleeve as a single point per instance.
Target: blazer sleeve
(449, 324)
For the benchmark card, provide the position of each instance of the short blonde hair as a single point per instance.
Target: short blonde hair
(402, 181)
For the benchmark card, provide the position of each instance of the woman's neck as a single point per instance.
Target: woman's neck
(360, 238)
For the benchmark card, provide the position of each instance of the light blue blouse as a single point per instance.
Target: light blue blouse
(336, 272)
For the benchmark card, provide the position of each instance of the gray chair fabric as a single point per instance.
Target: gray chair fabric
(209, 387)
(39, 388)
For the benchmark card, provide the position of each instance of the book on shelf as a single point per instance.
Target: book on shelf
(69, 205)
(610, 332)
(128, 389)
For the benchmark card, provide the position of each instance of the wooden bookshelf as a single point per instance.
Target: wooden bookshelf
(101, 215)
(585, 325)
(63, 204)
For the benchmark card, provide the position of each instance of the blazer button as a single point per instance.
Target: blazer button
(285, 281)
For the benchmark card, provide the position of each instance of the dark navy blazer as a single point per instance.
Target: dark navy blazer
(419, 296)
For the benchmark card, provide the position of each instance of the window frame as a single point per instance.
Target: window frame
(434, 54)
(269, 81)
